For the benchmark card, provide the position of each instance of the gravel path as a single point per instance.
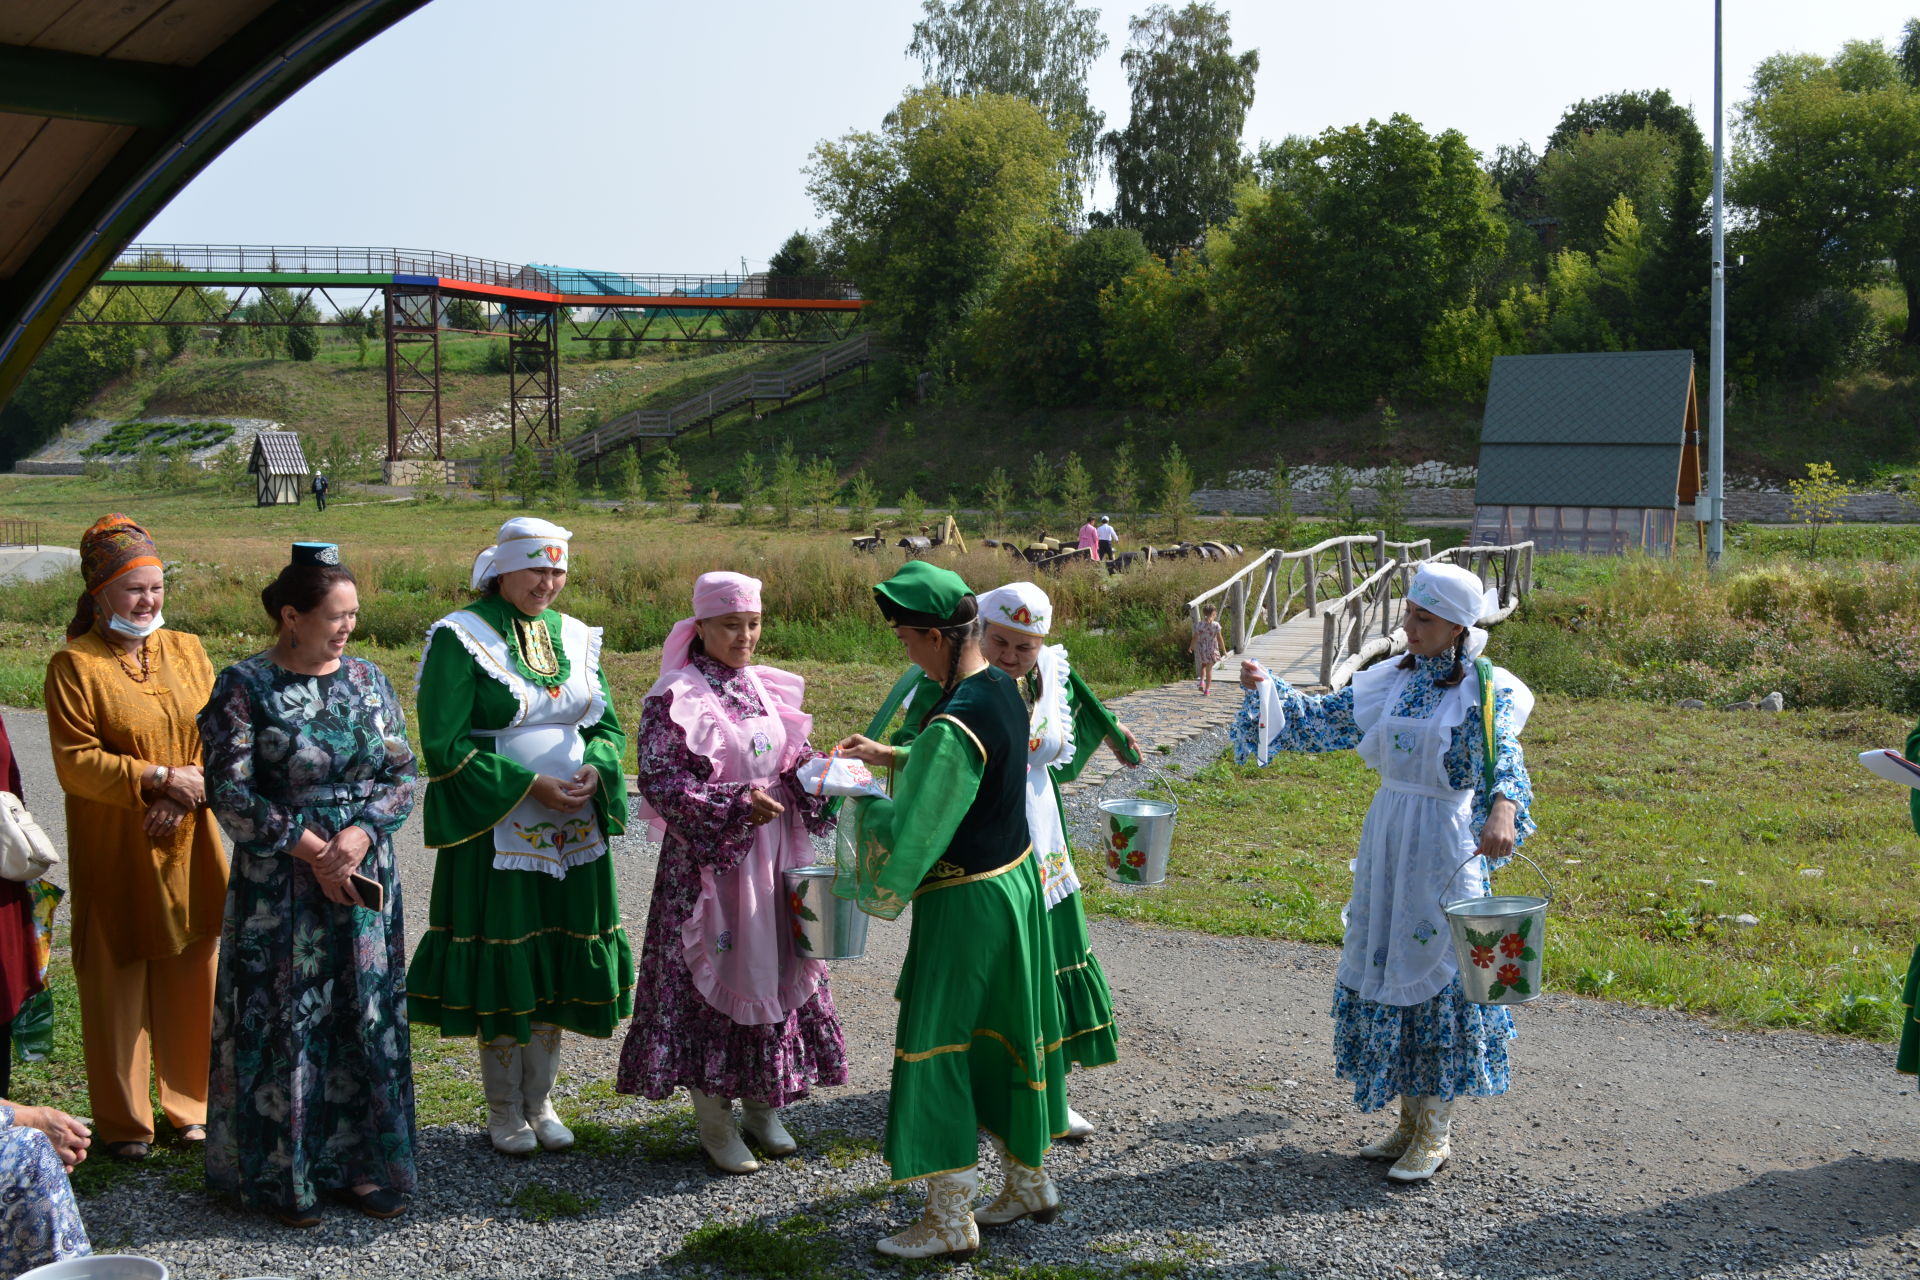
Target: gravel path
(1636, 1143)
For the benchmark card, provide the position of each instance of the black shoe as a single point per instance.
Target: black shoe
(381, 1202)
(294, 1216)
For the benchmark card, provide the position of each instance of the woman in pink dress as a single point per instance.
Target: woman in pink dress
(724, 1007)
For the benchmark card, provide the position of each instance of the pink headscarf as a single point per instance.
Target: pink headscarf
(713, 595)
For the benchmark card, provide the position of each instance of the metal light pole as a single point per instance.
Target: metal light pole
(1717, 333)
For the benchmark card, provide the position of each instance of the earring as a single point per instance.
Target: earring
(293, 642)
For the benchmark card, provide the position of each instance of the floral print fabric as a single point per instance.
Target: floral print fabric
(39, 1221)
(312, 1081)
(677, 1038)
(1448, 1046)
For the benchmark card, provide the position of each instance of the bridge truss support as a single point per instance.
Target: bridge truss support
(413, 373)
(533, 363)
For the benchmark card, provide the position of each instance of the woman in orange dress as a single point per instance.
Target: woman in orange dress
(147, 873)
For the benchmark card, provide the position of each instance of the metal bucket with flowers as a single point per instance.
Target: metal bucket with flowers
(1138, 833)
(1501, 941)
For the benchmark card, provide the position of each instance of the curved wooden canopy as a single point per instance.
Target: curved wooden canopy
(109, 107)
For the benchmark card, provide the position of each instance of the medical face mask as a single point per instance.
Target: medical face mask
(121, 626)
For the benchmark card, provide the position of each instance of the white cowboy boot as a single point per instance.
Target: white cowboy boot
(539, 1068)
(1429, 1149)
(762, 1123)
(1024, 1193)
(1395, 1144)
(719, 1136)
(500, 1063)
(1079, 1128)
(946, 1229)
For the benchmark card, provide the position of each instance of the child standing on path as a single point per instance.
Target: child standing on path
(1205, 647)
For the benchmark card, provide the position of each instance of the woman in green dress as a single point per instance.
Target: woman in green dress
(977, 1043)
(524, 788)
(308, 770)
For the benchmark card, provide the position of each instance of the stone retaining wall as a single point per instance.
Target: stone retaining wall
(1763, 508)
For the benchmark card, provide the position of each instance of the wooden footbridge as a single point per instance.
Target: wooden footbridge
(1318, 615)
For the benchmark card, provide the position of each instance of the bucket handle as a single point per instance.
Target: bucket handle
(1157, 776)
(1516, 853)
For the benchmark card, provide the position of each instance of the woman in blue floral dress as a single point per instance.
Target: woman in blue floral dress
(308, 769)
(1402, 1026)
(39, 1221)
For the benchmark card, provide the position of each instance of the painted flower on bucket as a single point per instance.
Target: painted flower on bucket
(1512, 945)
(1508, 976)
(1483, 957)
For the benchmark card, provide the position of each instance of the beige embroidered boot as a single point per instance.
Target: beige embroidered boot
(1395, 1144)
(762, 1123)
(1024, 1193)
(539, 1068)
(500, 1065)
(1429, 1149)
(719, 1135)
(946, 1229)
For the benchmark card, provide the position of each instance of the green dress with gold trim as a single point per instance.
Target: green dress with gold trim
(1909, 1059)
(1085, 997)
(978, 1041)
(508, 948)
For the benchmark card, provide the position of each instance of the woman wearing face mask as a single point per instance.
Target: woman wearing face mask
(521, 749)
(1401, 1023)
(726, 1009)
(148, 875)
(309, 770)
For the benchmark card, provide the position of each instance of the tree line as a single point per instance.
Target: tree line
(1375, 260)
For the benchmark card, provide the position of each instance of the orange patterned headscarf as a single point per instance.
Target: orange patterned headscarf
(114, 545)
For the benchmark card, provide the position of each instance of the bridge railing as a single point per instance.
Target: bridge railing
(1363, 624)
(1279, 584)
(536, 277)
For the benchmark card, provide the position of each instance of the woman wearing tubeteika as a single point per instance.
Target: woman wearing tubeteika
(977, 1044)
(309, 771)
(522, 752)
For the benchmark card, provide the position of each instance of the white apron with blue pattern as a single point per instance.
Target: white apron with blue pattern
(1418, 829)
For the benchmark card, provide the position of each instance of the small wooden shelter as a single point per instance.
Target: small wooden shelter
(1589, 451)
(279, 468)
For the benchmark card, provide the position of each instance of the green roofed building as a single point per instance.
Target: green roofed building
(1591, 451)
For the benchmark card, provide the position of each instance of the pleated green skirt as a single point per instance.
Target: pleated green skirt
(978, 1042)
(506, 949)
(1909, 1059)
(1086, 1001)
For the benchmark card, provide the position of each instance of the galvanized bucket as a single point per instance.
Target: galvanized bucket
(825, 927)
(1500, 941)
(1137, 833)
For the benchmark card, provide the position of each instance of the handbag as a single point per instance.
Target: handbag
(26, 853)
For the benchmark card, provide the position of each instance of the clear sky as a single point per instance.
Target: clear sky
(646, 136)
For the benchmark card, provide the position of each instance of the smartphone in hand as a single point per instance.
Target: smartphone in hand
(372, 896)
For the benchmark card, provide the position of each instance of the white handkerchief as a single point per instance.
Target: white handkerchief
(838, 776)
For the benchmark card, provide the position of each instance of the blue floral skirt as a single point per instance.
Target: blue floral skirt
(1448, 1047)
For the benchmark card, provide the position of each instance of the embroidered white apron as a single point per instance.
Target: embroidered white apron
(1397, 948)
(738, 942)
(544, 735)
(1049, 742)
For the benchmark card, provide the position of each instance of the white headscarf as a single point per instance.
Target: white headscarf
(1018, 606)
(1450, 592)
(524, 542)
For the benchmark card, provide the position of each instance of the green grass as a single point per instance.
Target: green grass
(794, 1249)
(1657, 828)
(538, 1202)
(666, 1135)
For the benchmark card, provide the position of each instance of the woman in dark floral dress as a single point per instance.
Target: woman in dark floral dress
(308, 769)
(723, 1006)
